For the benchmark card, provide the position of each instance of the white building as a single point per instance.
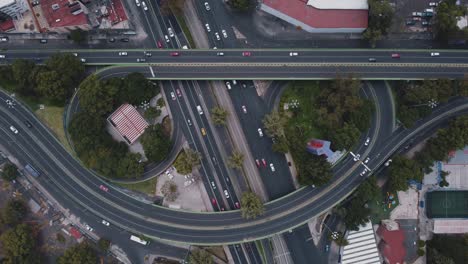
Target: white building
(13, 8)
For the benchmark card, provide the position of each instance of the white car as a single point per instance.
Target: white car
(292, 54)
(356, 158)
(226, 193)
(171, 33)
(220, 53)
(244, 109)
(166, 38)
(144, 6)
(260, 132)
(224, 33)
(137, 2)
(123, 53)
(200, 110)
(228, 85)
(363, 172)
(90, 229)
(234, 82)
(388, 162)
(13, 129)
(213, 185)
(272, 167)
(75, 54)
(367, 142)
(173, 96)
(366, 160)
(208, 27)
(83, 60)
(189, 122)
(104, 222)
(435, 54)
(433, 4)
(207, 6)
(217, 36)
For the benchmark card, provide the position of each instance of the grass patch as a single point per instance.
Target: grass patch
(303, 93)
(147, 187)
(183, 25)
(52, 116)
(380, 209)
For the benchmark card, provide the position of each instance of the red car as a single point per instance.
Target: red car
(264, 163)
(258, 163)
(395, 55)
(237, 205)
(159, 44)
(104, 188)
(213, 201)
(174, 53)
(246, 54)
(178, 93)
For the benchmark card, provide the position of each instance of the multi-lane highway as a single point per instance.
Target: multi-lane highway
(273, 64)
(66, 178)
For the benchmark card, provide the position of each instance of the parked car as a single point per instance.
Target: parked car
(224, 33)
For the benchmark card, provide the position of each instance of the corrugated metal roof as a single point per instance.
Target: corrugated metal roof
(362, 247)
(128, 122)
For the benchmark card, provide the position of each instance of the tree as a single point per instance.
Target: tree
(372, 35)
(10, 172)
(155, 143)
(357, 213)
(338, 238)
(169, 190)
(219, 116)
(19, 245)
(313, 170)
(14, 212)
(51, 86)
(79, 254)
(346, 136)
(401, 171)
(368, 190)
(380, 20)
(137, 89)
(274, 124)
(96, 97)
(160, 103)
(78, 35)
(103, 244)
(236, 160)
(152, 113)
(21, 70)
(434, 257)
(446, 20)
(280, 145)
(240, 5)
(200, 256)
(252, 206)
(421, 252)
(129, 166)
(187, 160)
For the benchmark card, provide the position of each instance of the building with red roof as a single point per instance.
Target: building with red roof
(392, 245)
(75, 233)
(319, 147)
(321, 16)
(128, 122)
(63, 16)
(7, 25)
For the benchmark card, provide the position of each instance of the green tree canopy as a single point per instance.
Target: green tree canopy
(252, 206)
(79, 254)
(78, 35)
(21, 70)
(236, 160)
(446, 20)
(313, 170)
(380, 20)
(137, 89)
(103, 244)
(401, 171)
(14, 212)
(10, 172)
(200, 256)
(240, 5)
(219, 116)
(155, 143)
(97, 97)
(274, 124)
(187, 160)
(19, 245)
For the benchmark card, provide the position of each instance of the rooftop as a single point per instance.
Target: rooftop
(362, 247)
(392, 245)
(128, 122)
(6, 2)
(335, 4)
(297, 12)
(62, 13)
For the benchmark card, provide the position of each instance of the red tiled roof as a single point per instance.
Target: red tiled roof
(319, 18)
(117, 12)
(316, 144)
(7, 25)
(75, 233)
(393, 248)
(62, 16)
(128, 122)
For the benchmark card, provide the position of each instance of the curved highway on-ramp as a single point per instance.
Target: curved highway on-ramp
(77, 188)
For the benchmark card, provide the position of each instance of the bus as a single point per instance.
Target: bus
(139, 240)
(29, 168)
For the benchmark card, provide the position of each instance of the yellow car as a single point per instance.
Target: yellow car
(203, 131)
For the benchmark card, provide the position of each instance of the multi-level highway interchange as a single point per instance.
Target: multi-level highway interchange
(77, 187)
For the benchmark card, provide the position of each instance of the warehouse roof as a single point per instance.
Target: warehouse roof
(128, 122)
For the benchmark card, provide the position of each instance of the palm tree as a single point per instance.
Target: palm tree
(236, 160)
(219, 116)
(252, 206)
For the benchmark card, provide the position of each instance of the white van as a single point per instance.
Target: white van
(200, 110)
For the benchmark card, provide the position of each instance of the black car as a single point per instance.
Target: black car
(28, 124)
(125, 40)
